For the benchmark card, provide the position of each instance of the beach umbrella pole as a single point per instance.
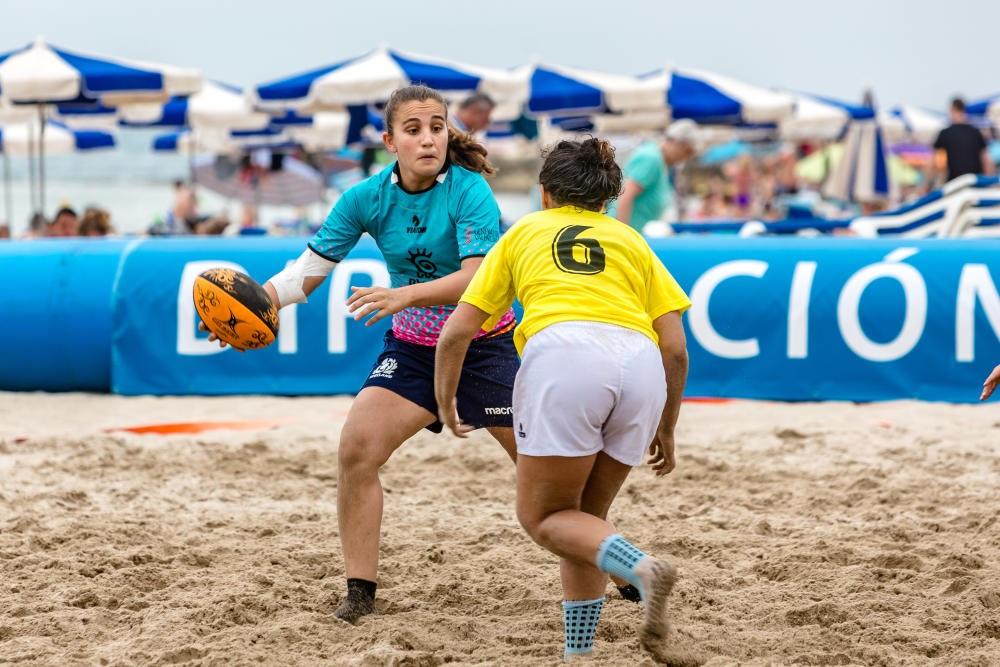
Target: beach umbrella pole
(32, 206)
(8, 207)
(41, 158)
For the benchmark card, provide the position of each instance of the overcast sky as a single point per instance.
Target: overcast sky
(918, 52)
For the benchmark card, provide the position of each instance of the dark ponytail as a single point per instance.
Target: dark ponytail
(466, 152)
(463, 150)
(581, 173)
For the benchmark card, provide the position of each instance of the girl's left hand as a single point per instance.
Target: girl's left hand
(991, 384)
(383, 301)
(448, 415)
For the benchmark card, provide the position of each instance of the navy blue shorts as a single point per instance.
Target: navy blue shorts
(485, 389)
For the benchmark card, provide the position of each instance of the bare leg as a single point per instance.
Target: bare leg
(606, 478)
(367, 441)
(549, 489)
(505, 436)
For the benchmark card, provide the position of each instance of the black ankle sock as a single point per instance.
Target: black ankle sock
(363, 586)
(630, 593)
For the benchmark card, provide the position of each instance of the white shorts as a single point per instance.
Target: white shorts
(586, 387)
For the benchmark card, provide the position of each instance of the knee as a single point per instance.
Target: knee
(531, 520)
(535, 524)
(359, 453)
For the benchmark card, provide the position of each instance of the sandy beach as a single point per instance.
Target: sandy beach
(818, 534)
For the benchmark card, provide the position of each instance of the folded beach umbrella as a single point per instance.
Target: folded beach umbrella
(216, 105)
(372, 78)
(862, 174)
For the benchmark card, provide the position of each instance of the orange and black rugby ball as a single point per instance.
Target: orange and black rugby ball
(235, 308)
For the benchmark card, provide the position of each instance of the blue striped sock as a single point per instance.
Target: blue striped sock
(580, 619)
(618, 557)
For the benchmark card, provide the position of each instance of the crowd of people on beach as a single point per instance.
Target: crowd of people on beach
(676, 176)
(67, 222)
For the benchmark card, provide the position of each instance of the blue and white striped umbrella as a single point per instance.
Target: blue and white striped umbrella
(701, 96)
(567, 91)
(21, 138)
(912, 124)
(373, 76)
(220, 142)
(216, 105)
(87, 116)
(980, 109)
(40, 73)
(862, 175)
(817, 118)
(711, 98)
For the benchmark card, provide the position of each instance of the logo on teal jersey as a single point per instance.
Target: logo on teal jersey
(421, 260)
(415, 226)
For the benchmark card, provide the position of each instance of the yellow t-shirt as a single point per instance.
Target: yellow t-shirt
(568, 264)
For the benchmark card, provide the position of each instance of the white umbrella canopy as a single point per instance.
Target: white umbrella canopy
(909, 123)
(327, 132)
(217, 106)
(19, 139)
(372, 77)
(41, 73)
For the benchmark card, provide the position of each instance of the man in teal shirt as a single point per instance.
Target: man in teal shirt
(648, 191)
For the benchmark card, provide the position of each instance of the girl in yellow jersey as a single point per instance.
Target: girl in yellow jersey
(603, 367)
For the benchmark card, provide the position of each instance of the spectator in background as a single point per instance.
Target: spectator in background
(473, 113)
(648, 191)
(64, 224)
(960, 148)
(4, 232)
(38, 226)
(95, 222)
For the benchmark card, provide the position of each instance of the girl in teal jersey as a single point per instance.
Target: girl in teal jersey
(434, 217)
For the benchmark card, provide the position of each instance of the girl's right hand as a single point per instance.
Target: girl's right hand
(212, 336)
(661, 452)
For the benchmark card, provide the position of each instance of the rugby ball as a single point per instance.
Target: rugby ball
(235, 308)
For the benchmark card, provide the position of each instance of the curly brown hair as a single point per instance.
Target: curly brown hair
(581, 173)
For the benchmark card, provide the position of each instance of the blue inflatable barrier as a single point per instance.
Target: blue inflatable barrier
(57, 310)
(774, 318)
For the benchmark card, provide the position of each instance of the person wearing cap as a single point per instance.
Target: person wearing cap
(648, 191)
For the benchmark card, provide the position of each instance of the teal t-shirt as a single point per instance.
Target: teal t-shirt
(422, 235)
(647, 168)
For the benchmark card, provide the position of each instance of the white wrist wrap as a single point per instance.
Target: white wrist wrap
(288, 282)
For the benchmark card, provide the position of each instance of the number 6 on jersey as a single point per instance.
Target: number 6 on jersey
(573, 254)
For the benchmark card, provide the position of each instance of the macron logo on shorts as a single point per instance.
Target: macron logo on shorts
(385, 369)
(499, 411)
